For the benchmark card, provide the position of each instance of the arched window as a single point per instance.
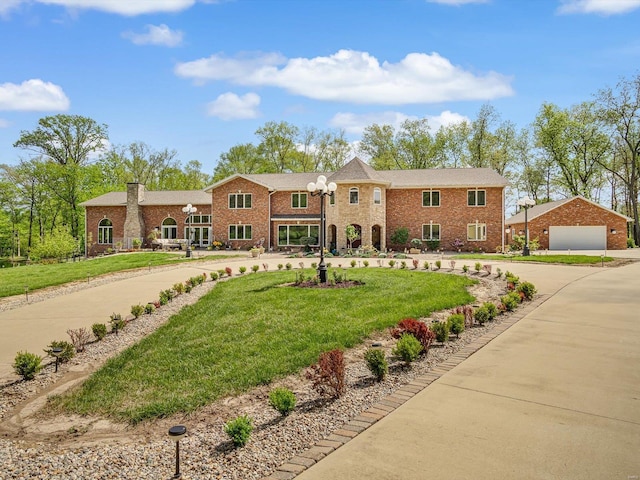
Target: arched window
(353, 196)
(377, 196)
(105, 231)
(169, 228)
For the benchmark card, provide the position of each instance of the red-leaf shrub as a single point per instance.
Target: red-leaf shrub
(467, 311)
(418, 329)
(328, 374)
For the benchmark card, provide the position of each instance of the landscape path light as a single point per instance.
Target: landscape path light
(56, 351)
(526, 203)
(175, 434)
(321, 189)
(189, 210)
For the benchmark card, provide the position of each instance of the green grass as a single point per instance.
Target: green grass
(564, 259)
(249, 331)
(13, 280)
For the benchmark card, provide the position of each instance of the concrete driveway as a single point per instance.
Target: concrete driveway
(557, 396)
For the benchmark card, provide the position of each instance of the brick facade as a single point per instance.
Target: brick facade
(577, 212)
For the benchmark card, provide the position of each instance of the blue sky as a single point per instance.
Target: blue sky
(200, 76)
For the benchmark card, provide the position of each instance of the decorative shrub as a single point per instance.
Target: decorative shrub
(408, 348)
(392, 263)
(187, 289)
(527, 289)
(27, 365)
(68, 350)
(477, 267)
(441, 329)
(416, 243)
(438, 264)
(79, 338)
(498, 272)
(280, 266)
(465, 268)
(482, 315)
(467, 312)
(137, 310)
(265, 266)
(492, 309)
(283, 400)
(117, 323)
(487, 268)
(99, 330)
(400, 236)
(426, 265)
(353, 263)
(514, 280)
(228, 271)
(510, 301)
(456, 323)
(365, 263)
(242, 269)
(377, 363)
(328, 374)
(403, 264)
(178, 288)
(288, 266)
(213, 276)
(255, 268)
(433, 245)
(418, 329)
(452, 264)
(221, 273)
(239, 430)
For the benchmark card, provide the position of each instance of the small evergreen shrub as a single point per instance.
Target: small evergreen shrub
(239, 430)
(137, 310)
(255, 268)
(426, 265)
(68, 350)
(527, 288)
(221, 273)
(377, 363)
(492, 309)
(288, 266)
(403, 265)
(178, 288)
(477, 267)
(408, 348)
(353, 263)
(631, 243)
(328, 374)
(418, 329)
(465, 268)
(283, 400)
(467, 312)
(27, 365)
(392, 263)
(365, 263)
(441, 329)
(510, 301)
(214, 276)
(498, 273)
(242, 269)
(280, 266)
(187, 289)
(482, 315)
(438, 264)
(456, 323)
(117, 322)
(99, 330)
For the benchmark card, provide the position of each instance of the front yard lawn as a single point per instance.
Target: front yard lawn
(250, 330)
(564, 259)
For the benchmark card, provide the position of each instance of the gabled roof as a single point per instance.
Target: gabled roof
(444, 177)
(168, 197)
(356, 171)
(543, 208)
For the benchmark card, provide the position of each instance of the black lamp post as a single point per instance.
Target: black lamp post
(526, 203)
(56, 351)
(175, 434)
(321, 189)
(189, 210)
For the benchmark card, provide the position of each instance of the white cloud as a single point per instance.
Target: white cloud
(7, 5)
(356, 123)
(457, 2)
(602, 7)
(33, 95)
(4, 123)
(156, 35)
(121, 7)
(353, 76)
(230, 106)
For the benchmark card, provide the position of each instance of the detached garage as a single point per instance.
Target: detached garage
(572, 224)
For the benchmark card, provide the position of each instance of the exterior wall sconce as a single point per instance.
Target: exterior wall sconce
(613, 231)
(520, 232)
(175, 434)
(507, 230)
(545, 231)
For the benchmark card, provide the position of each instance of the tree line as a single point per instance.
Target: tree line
(590, 149)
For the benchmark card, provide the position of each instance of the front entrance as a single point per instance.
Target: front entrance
(200, 236)
(375, 236)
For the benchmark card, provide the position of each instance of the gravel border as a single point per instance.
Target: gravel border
(206, 450)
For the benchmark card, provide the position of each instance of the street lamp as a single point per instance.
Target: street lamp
(526, 203)
(321, 189)
(189, 210)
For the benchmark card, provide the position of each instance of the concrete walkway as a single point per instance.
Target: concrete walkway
(557, 396)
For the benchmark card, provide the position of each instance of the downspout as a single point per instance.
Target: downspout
(502, 230)
(270, 226)
(85, 232)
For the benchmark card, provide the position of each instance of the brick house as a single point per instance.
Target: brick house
(572, 224)
(465, 206)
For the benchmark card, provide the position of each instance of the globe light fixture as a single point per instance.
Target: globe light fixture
(321, 189)
(189, 210)
(526, 203)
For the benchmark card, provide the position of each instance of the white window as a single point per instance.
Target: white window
(476, 231)
(377, 196)
(298, 200)
(298, 234)
(105, 231)
(169, 228)
(431, 198)
(239, 232)
(476, 198)
(431, 231)
(239, 200)
(353, 196)
(199, 219)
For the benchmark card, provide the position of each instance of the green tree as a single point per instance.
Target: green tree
(243, 159)
(278, 145)
(378, 143)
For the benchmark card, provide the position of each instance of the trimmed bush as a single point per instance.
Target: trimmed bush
(117, 322)
(239, 430)
(178, 288)
(68, 350)
(441, 329)
(27, 365)
(492, 309)
(456, 323)
(137, 310)
(242, 269)
(328, 374)
(408, 348)
(149, 308)
(283, 400)
(255, 268)
(418, 329)
(99, 330)
(482, 315)
(377, 363)
(214, 276)
(228, 271)
(527, 288)
(510, 301)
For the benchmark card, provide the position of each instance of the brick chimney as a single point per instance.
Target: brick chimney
(134, 223)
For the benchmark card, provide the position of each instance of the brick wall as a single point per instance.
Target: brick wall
(405, 210)
(577, 212)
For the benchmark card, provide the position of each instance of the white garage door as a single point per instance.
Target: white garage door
(578, 238)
